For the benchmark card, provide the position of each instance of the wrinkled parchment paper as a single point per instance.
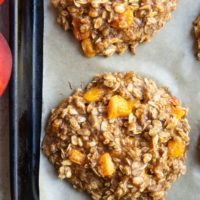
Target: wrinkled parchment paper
(168, 59)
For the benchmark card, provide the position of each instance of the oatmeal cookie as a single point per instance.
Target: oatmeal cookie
(120, 138)
(104, 27)
(197, 35)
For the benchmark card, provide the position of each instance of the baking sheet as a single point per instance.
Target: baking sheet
(168, 59)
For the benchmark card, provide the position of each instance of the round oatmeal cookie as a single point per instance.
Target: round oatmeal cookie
(104, 27)
(120, 138)
(197, 35)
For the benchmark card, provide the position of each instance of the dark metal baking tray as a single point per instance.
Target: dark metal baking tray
(26, 41)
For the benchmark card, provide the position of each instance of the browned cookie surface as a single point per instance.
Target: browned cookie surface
(104, 27)
(197, 35)
(120, 138)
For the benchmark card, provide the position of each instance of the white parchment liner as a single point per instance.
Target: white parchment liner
(168, 59)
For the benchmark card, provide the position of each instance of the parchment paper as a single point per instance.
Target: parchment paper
(168, 59)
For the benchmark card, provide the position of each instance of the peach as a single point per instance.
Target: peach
(1, 2)
(179, 113)
(176, 149)
(126, 16)
(5, 64)
(76, 156)
(105, 165)
(88, 48)
(119, 107)
(93, 94)
(77, 33)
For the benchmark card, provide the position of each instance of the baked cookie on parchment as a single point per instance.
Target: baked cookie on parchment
(104, 27)
(122, 137)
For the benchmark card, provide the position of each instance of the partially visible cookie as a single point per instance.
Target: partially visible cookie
(105, 27)
(197, 35)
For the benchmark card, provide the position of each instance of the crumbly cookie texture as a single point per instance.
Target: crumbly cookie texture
(197, 35)
(104, 27)
(120, 138)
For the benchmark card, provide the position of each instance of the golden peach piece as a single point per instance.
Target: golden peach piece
(124, 20)
(93, 94)
(88, 48)
(176, 149)
(179, 113)
(105, 165)
(76, 156)
(118, 107)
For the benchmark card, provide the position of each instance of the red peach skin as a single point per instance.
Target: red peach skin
(5, 63)
(1, 2)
